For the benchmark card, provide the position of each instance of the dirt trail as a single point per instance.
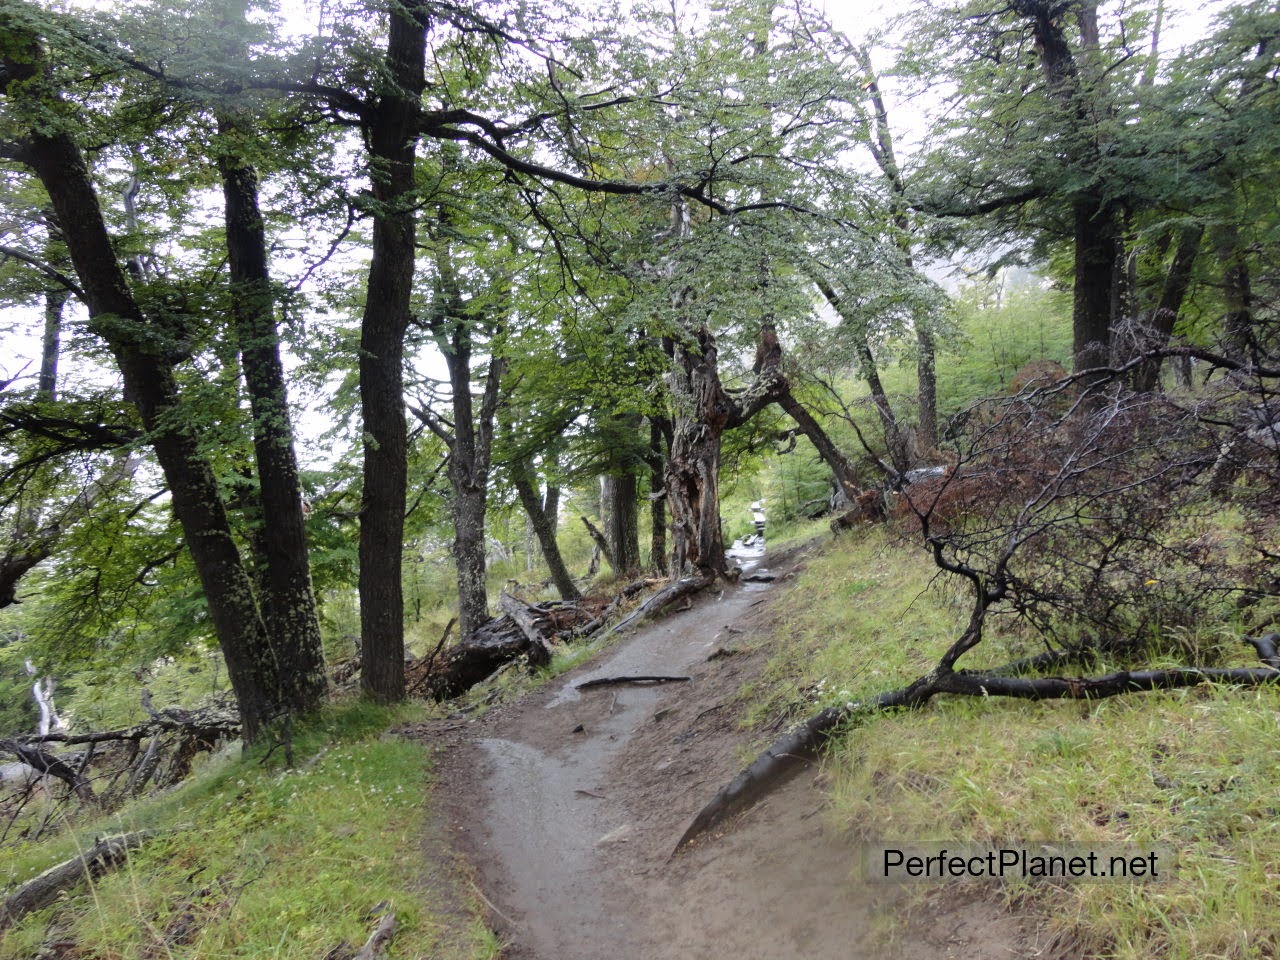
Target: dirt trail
(568, 804)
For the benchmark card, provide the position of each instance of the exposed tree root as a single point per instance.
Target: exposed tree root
(791, 752)
(616, 681)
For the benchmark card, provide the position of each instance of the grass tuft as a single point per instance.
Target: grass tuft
(1195, 768)
(254, 860)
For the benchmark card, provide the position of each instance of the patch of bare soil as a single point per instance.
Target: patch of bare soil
(568, 804)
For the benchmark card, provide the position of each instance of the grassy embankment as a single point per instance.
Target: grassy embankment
(250, 859)
(1195, 769)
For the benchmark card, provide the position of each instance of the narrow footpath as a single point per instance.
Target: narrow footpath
(568, 803)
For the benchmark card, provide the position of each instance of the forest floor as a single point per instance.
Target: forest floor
(567, 804)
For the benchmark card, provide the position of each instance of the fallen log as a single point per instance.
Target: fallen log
(515, 634)
(47, 764)
(660, 601)
(523, 617)
(629, 591)
(376, 945)
(475, 658)
(615, 681)
(791, 752)
(45, 889)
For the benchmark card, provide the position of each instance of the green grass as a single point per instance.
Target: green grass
(263, 861)
(1195, 769)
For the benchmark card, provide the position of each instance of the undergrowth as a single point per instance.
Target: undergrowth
(1194, 769)
(253, 859)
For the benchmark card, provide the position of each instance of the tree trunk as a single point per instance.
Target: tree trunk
(542, 519)
(469, 508)
(657, 499)
(887, 159)
(927, 391)
(1096, 237)
(452, 324)
(1096, 227)
(1237, 292)
(150, 385)
(55, 299)
(692, 476)
(703, 411)
(393, 137)
(622, 523)
(1165, 314)
(288, 601)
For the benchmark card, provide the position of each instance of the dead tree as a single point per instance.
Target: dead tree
(1082, 518)
(703, 411)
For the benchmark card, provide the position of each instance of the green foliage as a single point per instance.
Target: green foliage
(999, 335)
(18, 713)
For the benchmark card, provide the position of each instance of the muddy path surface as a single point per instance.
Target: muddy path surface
(568, 803)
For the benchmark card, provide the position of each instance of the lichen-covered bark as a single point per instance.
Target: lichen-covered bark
(702, 412)
(453, 324)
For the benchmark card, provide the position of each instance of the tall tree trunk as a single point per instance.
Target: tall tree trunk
(1095, 233)
(656, 457)
(1237, 291)
(1164, 315)
(392, 133)
(619, 502)
(1096, 222)
(288, 601)
(149, 383)
(886, 157)
(542, 517)
(453, 323)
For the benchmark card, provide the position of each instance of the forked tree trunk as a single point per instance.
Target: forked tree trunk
(453, 323)
(692, 476)
(702, 411)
